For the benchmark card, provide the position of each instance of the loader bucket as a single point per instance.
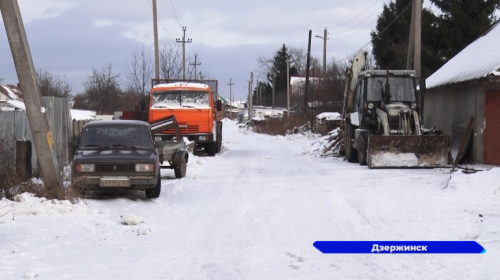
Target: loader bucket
(404, 151)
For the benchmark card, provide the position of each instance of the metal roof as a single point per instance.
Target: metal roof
(478, 60)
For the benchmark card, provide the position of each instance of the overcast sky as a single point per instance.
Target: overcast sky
(70, 37)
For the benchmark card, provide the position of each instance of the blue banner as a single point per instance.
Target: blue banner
(399, 247)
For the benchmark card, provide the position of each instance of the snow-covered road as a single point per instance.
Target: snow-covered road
(253, 212)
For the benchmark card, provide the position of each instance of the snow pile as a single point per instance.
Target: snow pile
(132, 219)
(30, 274)
(324, 146)
(82, 115)
(483, 183)
(28, 204)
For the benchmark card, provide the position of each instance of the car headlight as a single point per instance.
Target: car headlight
(370, 106)
(414, 106)
(202, 138)
(144, 167)
(85, 167)
(158, 138)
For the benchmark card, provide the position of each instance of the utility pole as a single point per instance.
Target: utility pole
(274, 87)
(415, 41)
(257, 97)
(288, 86)
(155, 30)
(307, 72)
(250, 97)
(324, 53)
(184, 41)
(325, 34)
(418, 38)
(230, 96)
(411, 40)
(195, 64)
(42, 137)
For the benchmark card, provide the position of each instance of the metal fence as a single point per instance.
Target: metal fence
(14, 126)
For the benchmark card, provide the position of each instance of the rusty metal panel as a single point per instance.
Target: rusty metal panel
(408, 151)
(491, 152)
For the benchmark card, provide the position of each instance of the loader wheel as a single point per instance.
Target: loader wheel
(362, 148)
(350, 153)
(180, 170)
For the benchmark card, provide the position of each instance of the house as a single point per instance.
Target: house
(469, 86)
(10, 98)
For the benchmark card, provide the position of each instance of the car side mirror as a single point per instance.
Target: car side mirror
(219, 105)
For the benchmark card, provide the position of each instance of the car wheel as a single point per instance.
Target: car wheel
(180, 170)
(154, 192)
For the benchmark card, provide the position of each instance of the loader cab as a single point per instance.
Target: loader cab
(377, 88)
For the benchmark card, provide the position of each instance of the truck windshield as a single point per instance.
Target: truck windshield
(402, 88)
(181, 98)
(116, 136)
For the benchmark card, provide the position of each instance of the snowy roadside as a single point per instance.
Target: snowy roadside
(253, 212)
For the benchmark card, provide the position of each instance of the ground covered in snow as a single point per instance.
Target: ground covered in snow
(254, 212)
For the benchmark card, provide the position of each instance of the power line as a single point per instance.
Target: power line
(359, 22)
(397, 17)
(159, 21)
(357, 15)
(355, 32)
(174, 15)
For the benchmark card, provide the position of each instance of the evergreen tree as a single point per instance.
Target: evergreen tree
(462, 22)
(390, 38)
(279, 69)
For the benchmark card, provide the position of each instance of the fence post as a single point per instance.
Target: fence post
(23, 158)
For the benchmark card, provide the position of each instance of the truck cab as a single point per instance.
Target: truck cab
(194, 108)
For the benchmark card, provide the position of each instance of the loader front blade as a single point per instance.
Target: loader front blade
(399, 151)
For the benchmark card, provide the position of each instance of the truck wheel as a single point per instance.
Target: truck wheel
(154, 192)
(180, 170)
(210, 148)
(218, 145)
(350, 153)
(362, 148)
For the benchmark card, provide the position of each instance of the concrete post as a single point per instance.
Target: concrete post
(42, 137)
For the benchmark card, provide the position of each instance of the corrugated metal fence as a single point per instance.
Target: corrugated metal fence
(14, 126)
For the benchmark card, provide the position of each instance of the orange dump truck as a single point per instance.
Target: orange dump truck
(196, 110)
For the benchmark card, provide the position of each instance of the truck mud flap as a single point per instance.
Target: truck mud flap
(397, 151)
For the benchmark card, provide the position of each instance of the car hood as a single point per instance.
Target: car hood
(115, 154)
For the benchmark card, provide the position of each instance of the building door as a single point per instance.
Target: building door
(492, 128)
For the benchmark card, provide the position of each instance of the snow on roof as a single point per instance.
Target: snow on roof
(478, 60)
(82, 115)
(6, 90)
(298, 80)
(182, 84)
(329, 116)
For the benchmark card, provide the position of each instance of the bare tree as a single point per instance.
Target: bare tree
(139, 71)
(52, 85)
(299, 57)
(170, 60)
(264, 66)
(102, 90)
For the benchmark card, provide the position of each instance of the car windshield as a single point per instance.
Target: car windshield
(402, 88)
(184, 98)
(116, 136)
